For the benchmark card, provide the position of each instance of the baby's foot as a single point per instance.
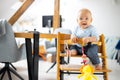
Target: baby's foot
(98, 67)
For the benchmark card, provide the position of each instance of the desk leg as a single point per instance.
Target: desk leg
(29, 58)
(36, 55)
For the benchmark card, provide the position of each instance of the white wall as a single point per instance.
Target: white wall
(5, 8)
(106, 14)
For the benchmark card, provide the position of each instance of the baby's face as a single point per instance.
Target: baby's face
(84, 19)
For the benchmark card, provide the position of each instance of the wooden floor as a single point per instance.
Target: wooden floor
(51, 75)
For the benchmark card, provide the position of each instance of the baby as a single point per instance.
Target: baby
(89, 34)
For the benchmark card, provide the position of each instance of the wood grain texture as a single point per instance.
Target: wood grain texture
(56, 17)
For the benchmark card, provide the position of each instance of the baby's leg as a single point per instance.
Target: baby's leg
(92, 53)
(75, 50)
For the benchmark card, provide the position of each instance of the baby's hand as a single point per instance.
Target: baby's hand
(86, 40)
(74, 39)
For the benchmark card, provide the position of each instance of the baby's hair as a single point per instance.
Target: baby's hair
(85, 10)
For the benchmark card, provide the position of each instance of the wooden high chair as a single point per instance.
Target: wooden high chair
(74, 69)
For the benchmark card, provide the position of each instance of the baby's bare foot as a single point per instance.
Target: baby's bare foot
(98, 67)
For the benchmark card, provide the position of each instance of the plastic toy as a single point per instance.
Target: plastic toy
(87, 73)
(86, 69)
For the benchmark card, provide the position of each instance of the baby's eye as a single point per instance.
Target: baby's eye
(81, 18)
(86, 18)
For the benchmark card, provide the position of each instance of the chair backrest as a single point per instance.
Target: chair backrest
(9, 51)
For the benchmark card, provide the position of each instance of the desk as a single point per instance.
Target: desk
(32, 60)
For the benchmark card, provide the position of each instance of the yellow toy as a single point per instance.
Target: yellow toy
(86, 69)
(87, 73)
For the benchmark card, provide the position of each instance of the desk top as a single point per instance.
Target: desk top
(43, 35)
(30, 35)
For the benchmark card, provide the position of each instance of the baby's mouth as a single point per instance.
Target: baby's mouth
(84, 23)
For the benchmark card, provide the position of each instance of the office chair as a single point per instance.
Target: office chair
(9, 51)
(51, 47)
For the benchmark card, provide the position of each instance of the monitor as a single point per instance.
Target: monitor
(47, 21)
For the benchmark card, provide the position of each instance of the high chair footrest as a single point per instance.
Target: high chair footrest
(73, 67)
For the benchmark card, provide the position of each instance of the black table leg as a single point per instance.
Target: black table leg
(32, 60)
(36, 55)
(29, 58)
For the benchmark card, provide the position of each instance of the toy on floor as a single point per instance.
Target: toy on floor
(86, 70)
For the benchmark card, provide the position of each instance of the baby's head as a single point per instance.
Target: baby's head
(84, 18)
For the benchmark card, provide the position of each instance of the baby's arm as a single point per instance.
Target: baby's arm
(74, 38)
(89, 39)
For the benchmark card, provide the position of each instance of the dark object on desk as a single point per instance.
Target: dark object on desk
(118, 53)
(47, 21)
(9, 51)
(47, 18)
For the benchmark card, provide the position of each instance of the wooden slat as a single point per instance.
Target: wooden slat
(58, 56)
(43, 35)
(65, 36)
(74, 67)
(30, 35)
(65, 55)
(69, 42)
(20, 11)
(56, 17)
(23, 35)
